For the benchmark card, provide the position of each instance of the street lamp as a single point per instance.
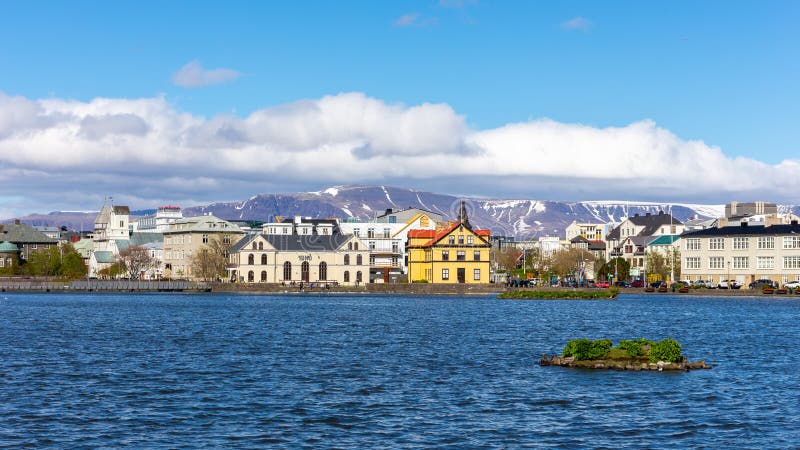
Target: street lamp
(729, 274)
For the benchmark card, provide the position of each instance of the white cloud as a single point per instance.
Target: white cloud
(577, 23)
(414, 20)
(194, 75)
(147, 149)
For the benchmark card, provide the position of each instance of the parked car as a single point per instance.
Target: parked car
(762, 283)
(603, 284)
(657, 284)
(637, 283)
(705, 283)
(725, 284)
(792, 285)
(622, 284)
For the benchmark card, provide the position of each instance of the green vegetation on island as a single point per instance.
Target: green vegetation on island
(639, 354)
(558, 294)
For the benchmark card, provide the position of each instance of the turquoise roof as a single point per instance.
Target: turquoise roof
(667, 239)
(104, 256)
(8, 247)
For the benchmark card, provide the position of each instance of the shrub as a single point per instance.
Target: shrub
(632, 348)
(583, 349)
(668, 350)
(420, 281)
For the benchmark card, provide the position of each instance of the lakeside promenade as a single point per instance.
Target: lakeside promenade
(110, 286)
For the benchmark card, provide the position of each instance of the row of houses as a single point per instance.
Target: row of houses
(404, 245)
(751, 242)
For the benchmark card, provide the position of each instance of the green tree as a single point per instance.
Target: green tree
(72, 266)
(618, 266)
(44, 262)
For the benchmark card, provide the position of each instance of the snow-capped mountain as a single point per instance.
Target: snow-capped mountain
(522, 218)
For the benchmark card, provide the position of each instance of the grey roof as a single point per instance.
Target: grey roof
(139, 238)
(650, 222)
(313, 243)
(298, 243)
(745, 230)
(202, 224)
(19, 233)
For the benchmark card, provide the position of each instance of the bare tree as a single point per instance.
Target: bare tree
(570, 261)
(507, 258)
(211, 260)
(137, 260)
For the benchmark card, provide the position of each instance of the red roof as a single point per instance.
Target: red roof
(421, 233)
(435, 237)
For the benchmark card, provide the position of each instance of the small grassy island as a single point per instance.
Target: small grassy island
(640, 354)
(561, 294)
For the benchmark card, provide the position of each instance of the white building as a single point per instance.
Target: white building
(158, 222)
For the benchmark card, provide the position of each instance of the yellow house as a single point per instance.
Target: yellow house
(453, 254)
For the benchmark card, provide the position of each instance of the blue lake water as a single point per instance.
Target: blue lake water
(172, 370)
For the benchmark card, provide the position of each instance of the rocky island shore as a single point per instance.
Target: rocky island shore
(635, 355)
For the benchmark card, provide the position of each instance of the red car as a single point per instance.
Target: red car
(603, 284)
(637, 283)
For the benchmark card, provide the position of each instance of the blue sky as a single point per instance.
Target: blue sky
(724, 73)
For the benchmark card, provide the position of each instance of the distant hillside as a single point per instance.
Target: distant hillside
(523, 218)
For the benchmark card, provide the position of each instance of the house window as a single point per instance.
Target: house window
(461, 239)
(255, 246)
(476, 255)
(766, 242)
(355, 246)
(791, 242)
(386, 232)
(716, 244)
(693, 262)
(451, 240)
(370, 232)
(741, 243)
(323, 271)
(250, 259)
(765, 262)
(791, 262)
(476, 274)
(716, 262)
(263, 260)
(470, 240)
(346, 260)
(263, 276)
(349, 245)
(226, 239)
(445, 274)
(445, 255)
(359, 278)
(372, 245)
(395, 247)
(359, 260)
(205, 240)
(261, 246)
(395, 261)
(741, 262)
(346, 276)
(287, 271)
(250, 276)
(371, 260)
(356, 232)
(461, 256)
(693, 244)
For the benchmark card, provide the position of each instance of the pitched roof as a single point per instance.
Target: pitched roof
(8, 247)
(650, 222)
(122, 210)
(436, 236)
(104, 256)
(19, 233)
(199, 224)
(597, 245)
(312, 243)
(667, 239)
(746, 230)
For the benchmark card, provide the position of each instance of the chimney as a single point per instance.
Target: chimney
(661, 213)
(637, 215)
(388, 211)
(744, 224)
(647, 214)
(794, 222)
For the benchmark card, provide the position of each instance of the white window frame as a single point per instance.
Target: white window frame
(717, 243)
(716, 262)
(693, 244)
(741, 243)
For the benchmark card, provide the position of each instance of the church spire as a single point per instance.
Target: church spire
(462, 214)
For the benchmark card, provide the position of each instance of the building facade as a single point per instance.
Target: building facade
(186, 236)
(291, 259)
(158, 222)
(743, 253)
(452, 254)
